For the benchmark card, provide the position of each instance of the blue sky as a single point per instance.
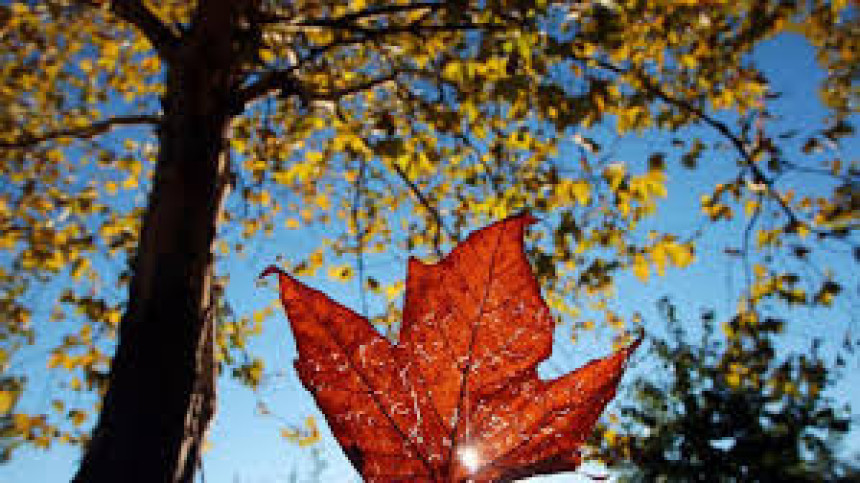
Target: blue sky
(246, 446)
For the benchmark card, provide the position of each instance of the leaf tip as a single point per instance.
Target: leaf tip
(525, 217)
(635, 344)
(270, 270)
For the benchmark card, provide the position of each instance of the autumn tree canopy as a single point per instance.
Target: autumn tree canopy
(143, 141)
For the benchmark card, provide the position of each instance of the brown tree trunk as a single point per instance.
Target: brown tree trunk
(161, 393)
(161, 387)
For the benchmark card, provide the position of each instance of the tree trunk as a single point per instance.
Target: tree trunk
(161, 393)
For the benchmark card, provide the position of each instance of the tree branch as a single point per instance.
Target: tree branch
(162, 38)
(88, 131)
(413, 29)
(437, 217)
(720, 127)
(336, 94)
(281, 80)
(369, 12)
(285, 82)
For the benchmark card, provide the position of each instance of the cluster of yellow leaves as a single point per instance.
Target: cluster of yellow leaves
(662, 253)
(57, 219)
(305, 436)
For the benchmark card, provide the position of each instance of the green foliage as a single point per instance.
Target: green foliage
(733, 409)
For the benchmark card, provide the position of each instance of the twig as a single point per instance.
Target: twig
(359, 233)
(719, 126)
(336, 94)
(440, 225)
(88, 131)
(368, 12)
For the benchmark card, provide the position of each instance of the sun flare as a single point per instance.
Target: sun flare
(469, 457)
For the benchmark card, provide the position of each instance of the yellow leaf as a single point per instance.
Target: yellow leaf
(342, 273)
(79, 267)
(689, 61)
(610, 436)
(640, 267)
(733, 379)
(322, 201)
(7, 400)
(264, 198)
(681, 255)
(56, 359)
(78, 417)
(394, 290)
(802, 230)
(110, 50)
(660, 256)
(267, 56)
(581, 191)
(113, 318)
(307, 215)
(313, 434)
(316, 259)
(21, 423)
(614, 174)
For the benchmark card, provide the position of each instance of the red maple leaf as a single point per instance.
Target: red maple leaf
(458, 398)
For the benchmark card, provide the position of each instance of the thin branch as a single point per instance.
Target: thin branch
(370, 12)
(437, 217)
(285, 82)
(745, 252)
(336, 94)
(88, 131)
(282, 81)
(360, 233)
(413, 29)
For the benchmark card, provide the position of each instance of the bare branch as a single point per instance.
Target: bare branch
(88, 131)
(437, 217)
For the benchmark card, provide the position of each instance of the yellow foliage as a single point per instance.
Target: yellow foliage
(304, 437)
(733, 379)
(640, 267)
(477, 135)
(7, 401)
(341, 273)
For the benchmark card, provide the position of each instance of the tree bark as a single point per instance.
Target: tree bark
(161, 393)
